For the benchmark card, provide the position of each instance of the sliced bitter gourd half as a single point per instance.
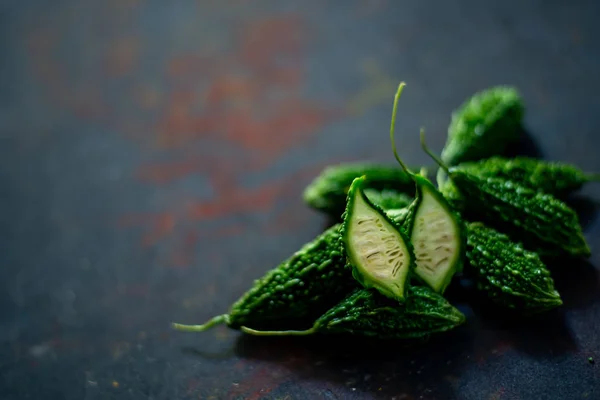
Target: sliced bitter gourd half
(436, 232)
(379, 252)
(437, 235)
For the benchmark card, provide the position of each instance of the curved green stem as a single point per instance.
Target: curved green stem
(393, 127)
(593, 177)
(219, 319)
(278, 333)
(431, 154)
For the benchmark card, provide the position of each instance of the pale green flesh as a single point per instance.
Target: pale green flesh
(436, 240)
(377, 249)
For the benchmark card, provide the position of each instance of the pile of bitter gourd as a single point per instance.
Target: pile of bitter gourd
(382, 269)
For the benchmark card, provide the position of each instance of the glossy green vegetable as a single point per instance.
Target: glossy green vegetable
(436, 232)
(398, 215)
(367, 313)
(550, 177)
(380, 254)
(328, 191)
(510, 275)
(484, 125)
(388, 199)
(539, 220)
(304, 286)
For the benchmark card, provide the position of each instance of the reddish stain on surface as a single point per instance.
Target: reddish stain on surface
(157, 226)
(164, 172)
(221, 113)
(231, 198)
(183, 253)
(264, 43)
(160, 229)
(122, 56)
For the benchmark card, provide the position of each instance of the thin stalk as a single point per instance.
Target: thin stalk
(219, 319)
(393, 127)
(593, 177)
(431, 154)
(277, 333)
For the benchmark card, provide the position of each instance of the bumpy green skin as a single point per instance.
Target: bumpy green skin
(356, 189)
(304, 286)
(367, 313)
(555, 178)
(327, 192)
(539, 220)
(388, 199)
(510, 275)
(484, 125)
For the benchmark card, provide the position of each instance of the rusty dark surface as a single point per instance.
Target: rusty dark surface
(152, 158)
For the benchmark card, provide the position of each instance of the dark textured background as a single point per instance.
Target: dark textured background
(152, 158)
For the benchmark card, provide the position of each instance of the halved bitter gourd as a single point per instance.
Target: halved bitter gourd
(380, 254)
(436, 232)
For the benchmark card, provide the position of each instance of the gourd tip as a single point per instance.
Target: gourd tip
(595, 177)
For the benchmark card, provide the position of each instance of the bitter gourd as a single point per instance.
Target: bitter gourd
(510, 275)
(398, 215)
(436, 232)
(555, 178)
(305, 285)
(328, 191)
(539, 220)
(484, 125)
(367, 313)
(379, 252)
(388, 199)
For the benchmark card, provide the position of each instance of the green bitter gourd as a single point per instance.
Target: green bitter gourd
(365, 312)
(510, 275)
(328, 191)
(539, 220)
(388, 198)
(435, 230)
(304, 286)
(379, 252)
(555, 178)
(484, 125)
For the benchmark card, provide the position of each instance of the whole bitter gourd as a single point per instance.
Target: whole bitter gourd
(539, 220)
(510, 275)
(555, 178)
(328, 191)
(484, 125)
(367, 313)
(302, 287)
